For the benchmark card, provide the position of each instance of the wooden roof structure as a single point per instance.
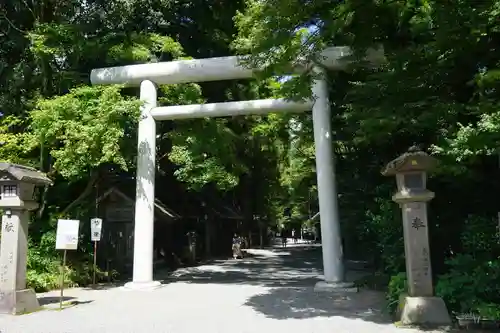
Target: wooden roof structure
(159, 206)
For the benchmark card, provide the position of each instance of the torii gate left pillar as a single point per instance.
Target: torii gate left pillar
(145, 192)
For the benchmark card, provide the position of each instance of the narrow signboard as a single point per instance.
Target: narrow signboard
(95, 236)
(95, 229)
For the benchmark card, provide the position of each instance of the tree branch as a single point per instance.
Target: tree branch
(12, 24)
(94, 177)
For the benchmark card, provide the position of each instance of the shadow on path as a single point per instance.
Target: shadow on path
(106, 285)
(52, 302)
(46, 300)
(291, 267)
(303, 303)
(289, 275)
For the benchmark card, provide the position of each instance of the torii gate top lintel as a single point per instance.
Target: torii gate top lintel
(203, 70)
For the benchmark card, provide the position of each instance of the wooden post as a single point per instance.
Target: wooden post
(95, 262)
(61, 296)
(108, 269)
(261, 236)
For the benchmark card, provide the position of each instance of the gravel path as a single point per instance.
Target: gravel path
(271, 291)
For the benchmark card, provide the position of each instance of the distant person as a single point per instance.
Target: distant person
(237, 254)
(294, 236)
(283, 240)
(270, 236)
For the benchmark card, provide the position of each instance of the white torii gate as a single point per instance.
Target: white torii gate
(216, 69)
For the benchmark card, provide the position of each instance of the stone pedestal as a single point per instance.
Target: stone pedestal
(144, 286)
(14, 297)
(426, 311)
(339, 287)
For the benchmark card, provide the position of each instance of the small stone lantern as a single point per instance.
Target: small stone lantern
(17, 185)
(410, 170)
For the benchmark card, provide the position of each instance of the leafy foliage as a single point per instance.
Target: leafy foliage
(474, 275)
(398, 285)
(86, 128)
(470, 283)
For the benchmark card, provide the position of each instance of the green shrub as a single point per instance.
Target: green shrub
(41, 282)
(473, 278)
(488, 310)
(383, 230)
(45, 281)
(44, 266)
(469, 283)
(82, 272)
(43, 270)
(397, 285)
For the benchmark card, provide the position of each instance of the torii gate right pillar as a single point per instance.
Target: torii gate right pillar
(333, 261)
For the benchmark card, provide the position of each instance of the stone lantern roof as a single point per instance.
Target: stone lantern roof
(413, 160)
(25, 174)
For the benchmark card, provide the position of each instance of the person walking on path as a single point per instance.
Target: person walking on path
(237, 247)
(283, 239)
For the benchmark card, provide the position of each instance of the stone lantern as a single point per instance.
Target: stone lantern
(17, 185)
(420, 307)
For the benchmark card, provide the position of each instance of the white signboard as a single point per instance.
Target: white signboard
(67, 234)
(95, 229)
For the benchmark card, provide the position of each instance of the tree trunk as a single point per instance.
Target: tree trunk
(208, 238)
(261, 235)
(94, 176)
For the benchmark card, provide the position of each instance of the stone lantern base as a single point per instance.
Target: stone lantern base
(426, 311)
(19, 302)
(339, 287)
